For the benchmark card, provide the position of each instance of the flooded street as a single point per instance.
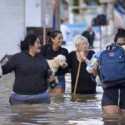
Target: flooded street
(61, 111)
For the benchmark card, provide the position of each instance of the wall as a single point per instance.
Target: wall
(33, 13)
(12, 25)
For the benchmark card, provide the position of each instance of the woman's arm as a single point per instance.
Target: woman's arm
(93, 71)
(9, 66)
(92, 66)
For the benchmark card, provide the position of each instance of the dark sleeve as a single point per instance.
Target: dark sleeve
(44, 50)
(66, 53)
(48, 71)
(10, 65)
(69, 60)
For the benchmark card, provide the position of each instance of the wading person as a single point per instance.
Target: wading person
(52, 50)
(112, 74)
(86, 82)
(31, 73)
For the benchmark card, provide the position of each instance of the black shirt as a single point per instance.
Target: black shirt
(90, 35)
(86, 84)
(30, 73)
(49, 53)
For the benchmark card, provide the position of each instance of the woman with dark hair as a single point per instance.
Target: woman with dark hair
(31, 73)
(52, 50)
(120, 37)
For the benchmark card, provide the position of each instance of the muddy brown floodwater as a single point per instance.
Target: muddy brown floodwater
(61, 111)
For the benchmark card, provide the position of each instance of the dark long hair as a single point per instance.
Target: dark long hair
(120, 33)
(28, 41)
(52, 35)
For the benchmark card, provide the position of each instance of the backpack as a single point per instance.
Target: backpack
(112, 64)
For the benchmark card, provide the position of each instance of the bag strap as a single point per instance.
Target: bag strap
(112, 46)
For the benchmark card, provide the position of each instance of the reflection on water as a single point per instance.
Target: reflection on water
(62, 111)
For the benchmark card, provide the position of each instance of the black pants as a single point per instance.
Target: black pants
(114, 96)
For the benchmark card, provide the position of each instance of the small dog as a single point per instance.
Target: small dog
(55, 64)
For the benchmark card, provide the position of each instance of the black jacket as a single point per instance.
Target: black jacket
(86, 83)
(49, 53)
(31, 73)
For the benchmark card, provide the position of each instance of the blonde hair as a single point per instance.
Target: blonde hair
(80, 39)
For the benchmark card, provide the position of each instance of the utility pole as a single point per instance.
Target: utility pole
(43, 19)
(56, 14)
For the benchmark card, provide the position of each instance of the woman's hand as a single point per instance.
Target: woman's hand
(94, 72)
(81, 56)
(92, 68)
(52, 78)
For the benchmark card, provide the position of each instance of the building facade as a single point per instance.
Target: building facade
(17, 17)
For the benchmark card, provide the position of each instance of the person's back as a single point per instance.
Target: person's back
(111, 68)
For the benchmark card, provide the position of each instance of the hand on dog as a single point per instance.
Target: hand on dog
(51, 79)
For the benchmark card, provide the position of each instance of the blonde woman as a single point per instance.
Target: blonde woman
(86, 82)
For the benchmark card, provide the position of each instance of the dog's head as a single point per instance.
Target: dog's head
(61, 60)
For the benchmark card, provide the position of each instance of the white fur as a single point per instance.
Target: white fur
(54, 64)
(58, 61)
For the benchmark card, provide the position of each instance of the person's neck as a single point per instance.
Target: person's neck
(31, 53)
(55, 48)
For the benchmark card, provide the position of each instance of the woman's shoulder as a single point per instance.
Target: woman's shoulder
(19, 54)
(64, 50)
(45, 49)
(72, 54)
(15, 57)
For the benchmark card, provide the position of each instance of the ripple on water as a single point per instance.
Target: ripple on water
(61, 111)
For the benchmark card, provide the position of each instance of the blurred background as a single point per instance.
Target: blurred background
(72, 17)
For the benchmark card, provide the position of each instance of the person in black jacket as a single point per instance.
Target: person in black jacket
(52, 50)
(90, 35)
(31, 73)
(82, 54)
